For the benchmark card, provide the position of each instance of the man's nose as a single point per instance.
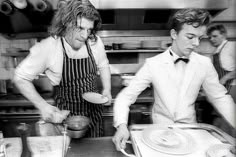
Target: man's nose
(196, 42)
(84, 34)
(211, 38)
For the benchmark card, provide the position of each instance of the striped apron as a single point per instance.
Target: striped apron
(219, 121)
(221, 72)
(79, 76)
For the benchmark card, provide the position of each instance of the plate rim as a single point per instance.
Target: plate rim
(185, 135)
(95, 93)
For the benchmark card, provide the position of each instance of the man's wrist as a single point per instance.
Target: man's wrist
(107, 90)
(122, 125)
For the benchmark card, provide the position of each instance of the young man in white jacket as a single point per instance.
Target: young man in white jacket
(177, 76)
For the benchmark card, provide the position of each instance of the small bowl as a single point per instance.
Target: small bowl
(77, 123)
(13, 49)
(126, 79)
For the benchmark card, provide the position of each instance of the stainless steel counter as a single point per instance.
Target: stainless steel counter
(89, 147)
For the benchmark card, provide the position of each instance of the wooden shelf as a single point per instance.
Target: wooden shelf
(16, 54)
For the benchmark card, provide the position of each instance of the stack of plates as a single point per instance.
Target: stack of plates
(170, 141)
(151, 44)
(131, 45)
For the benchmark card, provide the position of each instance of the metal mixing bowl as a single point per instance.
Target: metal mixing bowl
(76, 133)
(76, 123)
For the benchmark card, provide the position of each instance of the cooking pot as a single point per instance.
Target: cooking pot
(77, 127)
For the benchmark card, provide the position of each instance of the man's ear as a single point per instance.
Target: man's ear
(173, 34)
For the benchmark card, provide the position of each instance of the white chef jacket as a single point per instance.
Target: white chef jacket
(173, 104)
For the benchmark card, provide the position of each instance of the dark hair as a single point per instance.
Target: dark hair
(192, 16)
(68, 13)
(221, 28)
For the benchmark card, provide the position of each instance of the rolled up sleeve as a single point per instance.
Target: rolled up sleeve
(32, 65)
(100, 54)
(228, 57)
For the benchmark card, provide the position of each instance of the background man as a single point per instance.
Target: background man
(224, 56)
(224, 62)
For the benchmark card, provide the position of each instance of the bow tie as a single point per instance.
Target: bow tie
(186, 60)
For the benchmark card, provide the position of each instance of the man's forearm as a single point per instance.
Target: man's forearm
(105, 75)
(226, 108)
(229, 76)
(28, 90)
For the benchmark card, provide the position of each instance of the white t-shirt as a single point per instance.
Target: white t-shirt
(47, 56)
(227, 55)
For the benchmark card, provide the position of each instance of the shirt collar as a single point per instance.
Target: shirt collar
(174, 55)
(218, 49)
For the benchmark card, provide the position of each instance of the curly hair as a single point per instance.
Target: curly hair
(68, 13)
(192, 16)
(219, 27)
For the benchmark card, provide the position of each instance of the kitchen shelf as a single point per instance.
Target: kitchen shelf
(136, 51)
(15, 54)
(19, 113)
(23, 102)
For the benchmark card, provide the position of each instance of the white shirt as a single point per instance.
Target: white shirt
(179, 68)
(227, 55)
(47, 56)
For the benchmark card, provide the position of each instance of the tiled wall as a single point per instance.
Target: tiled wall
(6, 63)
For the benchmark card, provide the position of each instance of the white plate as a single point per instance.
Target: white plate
(169, 141)
(95, 98)
(220, 150)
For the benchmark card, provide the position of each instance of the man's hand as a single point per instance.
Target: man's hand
(121, 136)
(53, 114)
(223, 81)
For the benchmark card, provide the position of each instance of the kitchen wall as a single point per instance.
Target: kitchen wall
(227, 17)
(6, 63)
(126, 66)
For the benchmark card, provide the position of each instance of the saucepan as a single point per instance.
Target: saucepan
(77, 126)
